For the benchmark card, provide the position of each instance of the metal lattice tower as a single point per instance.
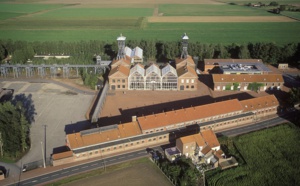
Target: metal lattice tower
(121, 46)
(4, 71)
(184, 43)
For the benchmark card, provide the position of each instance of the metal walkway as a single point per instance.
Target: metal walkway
(41, 70)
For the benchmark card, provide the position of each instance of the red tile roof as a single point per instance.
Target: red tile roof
(188, 114)
(259, 103)
(125, 130)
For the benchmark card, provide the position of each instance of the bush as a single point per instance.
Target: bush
(273, 3)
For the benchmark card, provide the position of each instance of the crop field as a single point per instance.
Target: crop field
(203, 32)
(211, 10)
(270, 157)
(204, 21)
(84, 13)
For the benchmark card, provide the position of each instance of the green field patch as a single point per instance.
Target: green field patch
(211, 10)
(27, 8)
(7, 15)
(225, 33)
(271, 158)
(80, 13)
(61, 24)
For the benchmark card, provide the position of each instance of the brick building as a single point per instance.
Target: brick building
(244, 82)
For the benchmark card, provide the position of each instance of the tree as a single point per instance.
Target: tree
(3, 52)
(294, 95)
(273, 3)
(14, 129)
(243, 52)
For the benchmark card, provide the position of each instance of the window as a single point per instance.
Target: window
(108, 149)
(102, 150)
(154, 139)
(165, 136)
(192, 86)
(115, 148)
(187, 81)
(123, 86)
(113, 81)
(118, 81)
(118, 86)
(187, 86)
(143, 141)
(96, 152)
(160, 137)
(182, 81)
(126, 145)
(186, 147)
(120, 146)
(137, 142)
(123, 80)
(149, 140)
(193, 81)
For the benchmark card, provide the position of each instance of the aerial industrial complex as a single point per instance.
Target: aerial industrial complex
(129, 73)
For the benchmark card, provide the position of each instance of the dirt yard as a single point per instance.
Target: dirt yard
(210, 19)
(121, 106)
(140, 174)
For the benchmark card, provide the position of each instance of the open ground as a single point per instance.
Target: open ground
(121, 106)
(56, 107)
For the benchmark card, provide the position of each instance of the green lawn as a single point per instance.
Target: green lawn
(270, 157)
(26, 8)
(7, 15)
(211, 10)
(82, 13)
(225, 33)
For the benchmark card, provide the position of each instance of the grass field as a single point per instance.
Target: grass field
(133, 173)
(270, 157)
(82, 13)
(280, 33)
(211, 10)
(68, 22)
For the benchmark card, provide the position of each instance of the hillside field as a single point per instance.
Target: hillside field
(204, 21)
(266, 157)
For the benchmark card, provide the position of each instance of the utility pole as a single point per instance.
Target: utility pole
(45, 140)
(44, 164)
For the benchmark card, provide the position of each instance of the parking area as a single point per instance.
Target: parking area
(55, 107)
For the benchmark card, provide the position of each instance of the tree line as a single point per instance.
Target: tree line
(15, 118)
(154, 50)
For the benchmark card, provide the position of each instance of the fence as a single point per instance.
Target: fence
(99, 102)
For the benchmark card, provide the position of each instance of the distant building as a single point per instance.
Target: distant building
(118, 78)
(283, 66)
(184, 77)
(244, 82)
(187, 78)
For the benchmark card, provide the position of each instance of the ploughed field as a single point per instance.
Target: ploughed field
(205, 21)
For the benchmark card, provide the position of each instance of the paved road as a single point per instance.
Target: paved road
(102, 163)
(257, 126)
